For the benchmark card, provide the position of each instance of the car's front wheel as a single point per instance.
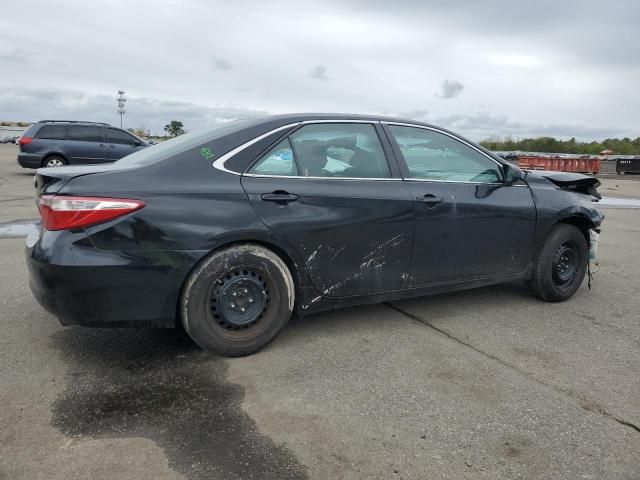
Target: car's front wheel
(237, 300)
(561, 264)
(54, 161)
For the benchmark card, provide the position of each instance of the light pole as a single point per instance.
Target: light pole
(122, 100)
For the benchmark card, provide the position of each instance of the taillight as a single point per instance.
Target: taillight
(63, 213)
(25, 140)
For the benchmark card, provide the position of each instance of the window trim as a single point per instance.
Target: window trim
(219, 164)
(454, 137)
(299, 126)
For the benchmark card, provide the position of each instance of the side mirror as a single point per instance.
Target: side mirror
(137, 143)
(512, 173)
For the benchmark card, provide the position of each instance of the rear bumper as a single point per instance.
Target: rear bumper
(82, 285)
(29, 160)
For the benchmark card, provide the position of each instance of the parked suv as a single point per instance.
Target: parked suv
(54, 143)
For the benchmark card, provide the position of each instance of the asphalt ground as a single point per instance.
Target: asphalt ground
(489, 383)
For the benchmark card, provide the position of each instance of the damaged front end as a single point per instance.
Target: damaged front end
(575, 182)
(569, 198)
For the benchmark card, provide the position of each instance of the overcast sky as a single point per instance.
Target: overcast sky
(561, 68)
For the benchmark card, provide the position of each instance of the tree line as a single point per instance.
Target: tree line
(623, 146)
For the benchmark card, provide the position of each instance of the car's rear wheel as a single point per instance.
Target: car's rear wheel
(54, 161)
(561, 265)
(237, 300)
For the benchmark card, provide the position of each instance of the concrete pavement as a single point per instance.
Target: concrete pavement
(490, 383)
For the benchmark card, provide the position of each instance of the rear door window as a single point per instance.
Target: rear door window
(347, 150)
(52, 132)
(86, 133)
(118, 136)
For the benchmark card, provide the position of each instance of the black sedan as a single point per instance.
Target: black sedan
(231, 230)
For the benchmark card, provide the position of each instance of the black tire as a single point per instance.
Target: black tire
(54, 161)
(561, 265)
(237, 300)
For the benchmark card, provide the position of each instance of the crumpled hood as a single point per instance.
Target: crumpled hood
(575, 182)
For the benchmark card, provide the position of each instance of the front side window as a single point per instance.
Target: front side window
(86, 133)
(278, 161)
(118, 136)
(433, 155)
(52, 132)
(339, 150)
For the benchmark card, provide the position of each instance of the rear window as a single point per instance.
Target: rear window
(197, 138)
(86, 133)
(52, 132)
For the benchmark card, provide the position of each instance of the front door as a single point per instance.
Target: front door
(328, 191)
(120, 144)
(469, 223)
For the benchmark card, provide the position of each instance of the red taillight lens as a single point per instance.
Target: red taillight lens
(63, 213)
(25, 140)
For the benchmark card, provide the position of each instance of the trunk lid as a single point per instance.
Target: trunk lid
(49, 181)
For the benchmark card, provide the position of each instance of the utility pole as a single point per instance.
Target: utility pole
(122, 100)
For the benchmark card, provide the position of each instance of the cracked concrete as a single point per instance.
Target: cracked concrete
(586, 404)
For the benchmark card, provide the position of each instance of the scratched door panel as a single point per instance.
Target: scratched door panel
(355, 236)
(476, 231)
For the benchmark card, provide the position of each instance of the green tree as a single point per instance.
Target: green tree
(174, 128)
(624, 146)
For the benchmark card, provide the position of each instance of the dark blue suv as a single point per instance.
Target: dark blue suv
(54, 143)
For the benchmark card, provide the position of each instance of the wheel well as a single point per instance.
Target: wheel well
(583, 224)
(284, 256)
(49, 155)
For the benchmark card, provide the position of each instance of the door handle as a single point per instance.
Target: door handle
(112, 146)
(101, 145)
(279, 197)
(430, 200)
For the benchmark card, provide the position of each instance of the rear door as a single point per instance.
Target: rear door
(469, 223)
(85, 144)
(330, 193)
(120, 144)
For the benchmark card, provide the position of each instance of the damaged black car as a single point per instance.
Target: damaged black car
(231, 230)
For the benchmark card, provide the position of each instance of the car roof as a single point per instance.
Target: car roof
(305, 117)
(74, 122)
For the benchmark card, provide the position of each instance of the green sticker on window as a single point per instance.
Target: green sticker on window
(207, 153)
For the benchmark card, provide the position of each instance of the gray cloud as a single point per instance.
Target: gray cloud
(222, 64)
(574, 69)
(418, 114)
(450, 89)
(319, 72)
(16, 55)
(480, 126)
(37, 104)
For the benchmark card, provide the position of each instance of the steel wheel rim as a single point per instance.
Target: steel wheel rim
(565, 265)
(239, 300)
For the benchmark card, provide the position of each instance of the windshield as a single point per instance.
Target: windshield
(168, 148)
